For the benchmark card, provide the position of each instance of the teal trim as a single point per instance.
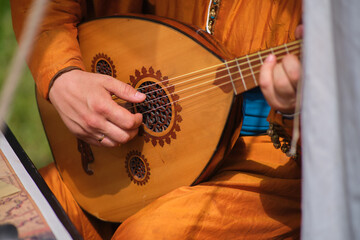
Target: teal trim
(256, 110)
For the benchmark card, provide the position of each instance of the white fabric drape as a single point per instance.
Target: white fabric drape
(331, 120)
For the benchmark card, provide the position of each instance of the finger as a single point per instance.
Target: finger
(123, 90)
(292, 68)
(108, 136)
(105, 142)
(283, 88)
(117, 123)
(95, 138)
(118, 135)
(109, 110)
(275, 86)
(92, 138)
(299, 31)
(266, 77)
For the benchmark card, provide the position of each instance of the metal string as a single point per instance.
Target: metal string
(281, 47)
(200, 92)
(210, 81)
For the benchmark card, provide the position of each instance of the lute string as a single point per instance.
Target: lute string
(283, 49)
(212, 80)
(209, 81)
(291, 50)
(195, 94)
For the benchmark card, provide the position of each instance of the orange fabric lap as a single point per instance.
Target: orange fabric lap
(254, 195)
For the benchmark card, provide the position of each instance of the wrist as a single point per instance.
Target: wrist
(60, 73)
(287, 115)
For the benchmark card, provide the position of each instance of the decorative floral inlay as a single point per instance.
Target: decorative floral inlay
(160, 109)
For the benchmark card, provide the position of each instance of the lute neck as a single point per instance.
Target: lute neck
(244, 71)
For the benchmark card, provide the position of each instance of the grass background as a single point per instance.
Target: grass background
(23, 119)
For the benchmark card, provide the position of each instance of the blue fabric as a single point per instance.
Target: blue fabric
(256, 110)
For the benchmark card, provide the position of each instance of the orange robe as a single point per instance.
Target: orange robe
(256, 192)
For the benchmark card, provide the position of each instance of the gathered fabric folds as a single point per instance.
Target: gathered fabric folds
(255, 194)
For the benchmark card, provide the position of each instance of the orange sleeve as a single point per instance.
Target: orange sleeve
(56, 48)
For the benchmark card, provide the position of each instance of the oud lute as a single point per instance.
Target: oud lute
(191, 116)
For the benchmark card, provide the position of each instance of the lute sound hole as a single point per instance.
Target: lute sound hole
(156, 108)
(137, 167)
(103, 67)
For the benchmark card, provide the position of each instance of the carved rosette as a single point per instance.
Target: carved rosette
(137, 167)
(103, 64)
(161, 107)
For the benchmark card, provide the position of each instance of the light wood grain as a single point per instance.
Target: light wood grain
(134, 43)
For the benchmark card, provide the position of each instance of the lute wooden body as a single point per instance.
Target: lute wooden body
(192, 114)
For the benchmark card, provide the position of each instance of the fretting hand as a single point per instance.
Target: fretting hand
(84, 103)
(278, 81)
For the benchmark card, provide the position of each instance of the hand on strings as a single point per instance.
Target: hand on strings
(278, 81)
(85, 104)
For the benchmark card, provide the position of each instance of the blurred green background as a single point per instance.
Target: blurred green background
(23, 119)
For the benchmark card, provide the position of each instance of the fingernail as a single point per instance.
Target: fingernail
(270, 58)
(139, 94)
